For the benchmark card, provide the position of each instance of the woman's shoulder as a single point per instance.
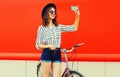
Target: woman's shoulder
(59, 25)
(40, 26)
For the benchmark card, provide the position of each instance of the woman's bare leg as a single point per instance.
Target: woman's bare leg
(56, 67)
(46, 67)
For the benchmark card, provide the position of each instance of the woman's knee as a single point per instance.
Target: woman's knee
(56, 69)
(46, 67)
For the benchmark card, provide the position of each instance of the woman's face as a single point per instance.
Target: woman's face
(52, 13)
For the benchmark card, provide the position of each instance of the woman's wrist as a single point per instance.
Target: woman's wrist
(44, 46)
(77, 12)
(48, 46)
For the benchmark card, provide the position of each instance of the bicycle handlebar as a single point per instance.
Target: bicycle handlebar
(76, 45)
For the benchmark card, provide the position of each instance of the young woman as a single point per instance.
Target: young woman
(49, 39)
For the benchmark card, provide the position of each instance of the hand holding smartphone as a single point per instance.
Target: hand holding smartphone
(74, 8)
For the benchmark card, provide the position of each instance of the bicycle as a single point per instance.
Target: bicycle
(67, 72)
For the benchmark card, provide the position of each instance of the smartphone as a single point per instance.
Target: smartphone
(74, 8)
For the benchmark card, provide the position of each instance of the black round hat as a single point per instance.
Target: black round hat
(46, 7)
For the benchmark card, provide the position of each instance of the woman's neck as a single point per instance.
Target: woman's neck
(50, 23)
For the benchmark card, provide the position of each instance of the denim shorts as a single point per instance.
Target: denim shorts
(51, 55)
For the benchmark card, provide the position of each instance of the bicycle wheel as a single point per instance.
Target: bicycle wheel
(73, 74)
(39, 74)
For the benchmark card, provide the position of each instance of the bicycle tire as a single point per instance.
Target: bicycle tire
(38, 70)
(72, 73)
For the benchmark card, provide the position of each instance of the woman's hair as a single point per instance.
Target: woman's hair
(45, 15)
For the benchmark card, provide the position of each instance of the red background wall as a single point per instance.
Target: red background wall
(99, 26)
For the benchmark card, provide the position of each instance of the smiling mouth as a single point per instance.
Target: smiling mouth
(53, 15)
